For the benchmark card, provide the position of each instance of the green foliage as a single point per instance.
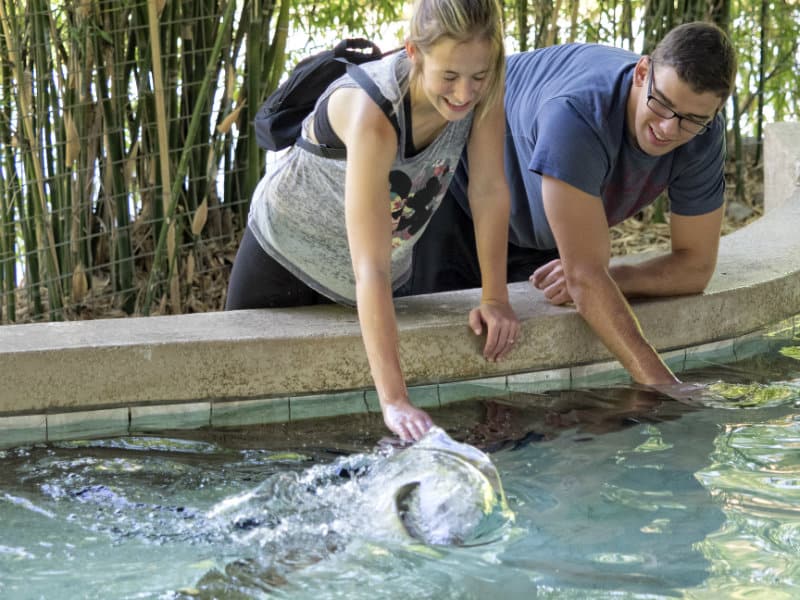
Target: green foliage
(781, 70)
(129, 184)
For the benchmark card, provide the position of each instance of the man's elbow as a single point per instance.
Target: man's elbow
(582, 283)
(698, 278)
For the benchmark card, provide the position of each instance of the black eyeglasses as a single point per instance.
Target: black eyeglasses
(687, 124)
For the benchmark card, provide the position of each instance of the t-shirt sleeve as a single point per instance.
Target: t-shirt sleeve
(568, 148)
(699, 188)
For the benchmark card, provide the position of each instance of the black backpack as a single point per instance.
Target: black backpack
(279, 120)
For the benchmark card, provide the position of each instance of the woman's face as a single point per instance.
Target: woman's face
(453, 75)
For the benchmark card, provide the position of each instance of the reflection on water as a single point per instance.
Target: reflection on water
(617, 492)
(755, 476)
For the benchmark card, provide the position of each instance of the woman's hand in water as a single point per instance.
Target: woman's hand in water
(406, 421)
(502, 328)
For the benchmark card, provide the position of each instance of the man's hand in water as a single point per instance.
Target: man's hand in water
(406, 421)
(691, 394)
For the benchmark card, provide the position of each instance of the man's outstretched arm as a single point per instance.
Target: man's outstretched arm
(688, 267)
(579, 225)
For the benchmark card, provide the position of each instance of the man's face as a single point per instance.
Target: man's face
(663, 110)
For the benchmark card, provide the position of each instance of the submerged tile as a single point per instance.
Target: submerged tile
(421, 396)
(675, 359)
(250, 412)
(326, 405)
(21, 430)
(784, 330)
(170, 416)
(87, 424)
(599, 374)
(478, 388)
(540, 381)
(713, 353)
(752, 344)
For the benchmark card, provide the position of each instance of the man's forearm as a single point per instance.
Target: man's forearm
(601, 303)
(672, 274)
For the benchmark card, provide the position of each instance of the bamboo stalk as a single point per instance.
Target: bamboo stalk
(256, 90)
(48, 116)
(44, 235)
(7, 267)
(108, 70)
(9, 189)
(194, 126)
(163, 144)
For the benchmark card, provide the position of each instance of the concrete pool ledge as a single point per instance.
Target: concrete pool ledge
(272, 365)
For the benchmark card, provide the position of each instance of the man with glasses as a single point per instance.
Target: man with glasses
(593, 135)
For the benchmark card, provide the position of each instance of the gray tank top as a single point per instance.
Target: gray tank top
(297, 212)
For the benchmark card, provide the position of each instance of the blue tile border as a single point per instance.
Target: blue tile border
(422, 396)
(475, 388)
(249, 412)
(326, 405)
(713, 353)
(26, 429)
(541, 381)
(170, 416)
(19, 430)
(598, 374)
(91, 423)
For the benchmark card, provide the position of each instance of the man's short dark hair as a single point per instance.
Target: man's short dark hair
(702, 56)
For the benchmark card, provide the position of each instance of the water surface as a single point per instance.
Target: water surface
(618, 493)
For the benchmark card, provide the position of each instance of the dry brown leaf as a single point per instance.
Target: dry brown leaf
(73, 148)
(190, 268)
(130, 164)
(171, 240)
(82, 9)
(200, 218)
(228, 121)
(80, 286)
(230, 80)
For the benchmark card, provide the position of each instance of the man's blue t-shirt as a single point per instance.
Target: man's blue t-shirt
(566, 118)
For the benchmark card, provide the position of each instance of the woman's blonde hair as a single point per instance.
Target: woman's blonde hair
(462, 21)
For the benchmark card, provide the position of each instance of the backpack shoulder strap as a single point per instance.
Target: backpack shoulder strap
(366, 83)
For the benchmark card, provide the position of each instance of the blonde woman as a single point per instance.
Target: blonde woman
(325, 229)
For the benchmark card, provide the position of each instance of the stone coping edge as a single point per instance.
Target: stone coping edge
(257, 354)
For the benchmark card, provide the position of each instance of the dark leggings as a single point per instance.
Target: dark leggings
(445, 257)
(259, 281)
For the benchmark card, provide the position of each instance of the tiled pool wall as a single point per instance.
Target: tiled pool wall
(37, 428)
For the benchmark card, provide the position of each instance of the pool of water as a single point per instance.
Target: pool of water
(617, 493)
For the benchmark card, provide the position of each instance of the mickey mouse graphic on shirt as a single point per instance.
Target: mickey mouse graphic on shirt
(411, 210)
